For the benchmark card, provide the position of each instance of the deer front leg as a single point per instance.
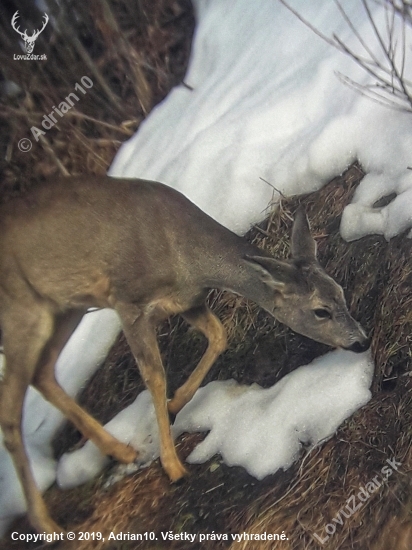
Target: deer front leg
(140, 333)
(204, 320)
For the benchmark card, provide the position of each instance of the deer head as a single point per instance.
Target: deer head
(305, 298)
(29, 41)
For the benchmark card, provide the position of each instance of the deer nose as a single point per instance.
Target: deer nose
(360, 346)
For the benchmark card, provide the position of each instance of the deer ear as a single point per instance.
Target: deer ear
(273, 272)
(303, 244)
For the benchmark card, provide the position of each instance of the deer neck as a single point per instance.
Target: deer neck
(235, 274)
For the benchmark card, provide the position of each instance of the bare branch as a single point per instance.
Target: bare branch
(402, 7)
(391, 87)
(309, 25)
(357, 34)
(376, 97)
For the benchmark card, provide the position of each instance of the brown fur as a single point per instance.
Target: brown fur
(144, 250)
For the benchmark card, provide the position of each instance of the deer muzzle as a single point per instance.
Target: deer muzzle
(359, 346)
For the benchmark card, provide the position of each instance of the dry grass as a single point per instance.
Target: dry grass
(133, 52)
(153, 39)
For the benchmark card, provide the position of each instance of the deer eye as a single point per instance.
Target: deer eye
(321, 313)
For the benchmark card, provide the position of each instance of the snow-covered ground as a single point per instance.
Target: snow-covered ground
(260, 429)
(264, 102)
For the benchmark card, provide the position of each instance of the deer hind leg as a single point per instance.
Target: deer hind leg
(44, 380)
(140, 333)
(204, 320)
(25, 333)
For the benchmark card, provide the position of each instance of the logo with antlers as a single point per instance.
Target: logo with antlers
(29, 41)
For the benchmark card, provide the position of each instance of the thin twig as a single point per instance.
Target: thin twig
(390, 74)
(386, 53)
(273, 187)
(51, 152)
(373, 96)
(356, 33)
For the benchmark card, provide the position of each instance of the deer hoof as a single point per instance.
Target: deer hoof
(177, 472)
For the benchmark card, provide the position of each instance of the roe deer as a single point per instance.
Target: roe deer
(146, 251)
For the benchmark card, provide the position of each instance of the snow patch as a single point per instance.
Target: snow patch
(260, 429)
